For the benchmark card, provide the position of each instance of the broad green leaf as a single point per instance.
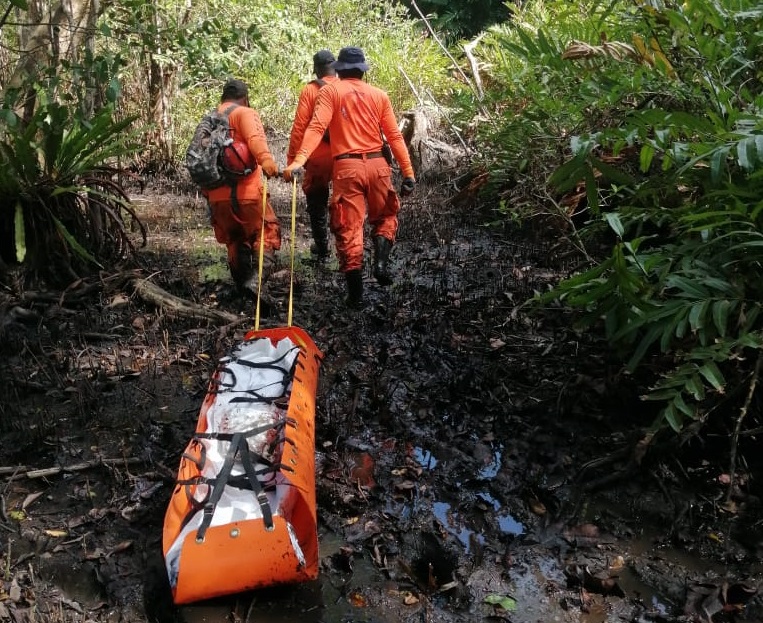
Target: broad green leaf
(591, 190)
(612, 174)
(745, 153)
(504, 601)
(713, 375)
(20, 235)
(697, 315)
(683, 407)
(613, 218)
(73, 243)
(718, 162)
(721, 316)
(672, 417)
(688, 287)
(569, 174)
(695, 387)
(646, 157)
(650, 338)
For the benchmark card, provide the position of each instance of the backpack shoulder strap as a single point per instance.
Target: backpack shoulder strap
(320, 82)
(229, 110)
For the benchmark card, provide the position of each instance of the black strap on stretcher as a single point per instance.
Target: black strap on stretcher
(250, 480)
(239, 448)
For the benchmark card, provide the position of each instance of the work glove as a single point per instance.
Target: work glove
(293, 171)
(407, 186)
(269, 168)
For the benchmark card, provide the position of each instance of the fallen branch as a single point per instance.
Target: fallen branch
(151, 293)
(76, 467)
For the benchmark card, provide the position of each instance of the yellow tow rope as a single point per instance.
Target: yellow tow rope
(293, 247)
(262, 250)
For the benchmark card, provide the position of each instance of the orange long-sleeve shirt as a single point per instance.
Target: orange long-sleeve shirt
(304, 113)
(354, 111)
(246, 126)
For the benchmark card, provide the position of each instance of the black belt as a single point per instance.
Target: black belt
(368, 156)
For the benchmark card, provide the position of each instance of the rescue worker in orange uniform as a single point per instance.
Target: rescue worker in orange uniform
(236, 209)
(317, 178)
(356, 114)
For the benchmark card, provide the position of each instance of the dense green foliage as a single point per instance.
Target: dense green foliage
(275, 48)
(634, 130)
(647, 123)
(464, 19)
(63, 210)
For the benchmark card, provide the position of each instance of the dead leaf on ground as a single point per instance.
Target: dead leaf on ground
(409, 598)
(536, 506)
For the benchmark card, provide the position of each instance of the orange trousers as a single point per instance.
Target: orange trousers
(360, 184)
(318, 170)
(243, 225)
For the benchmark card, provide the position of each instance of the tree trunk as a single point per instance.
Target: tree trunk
(431, 157)
(47, 35)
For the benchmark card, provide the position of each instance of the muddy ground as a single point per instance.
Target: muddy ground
(475, 460)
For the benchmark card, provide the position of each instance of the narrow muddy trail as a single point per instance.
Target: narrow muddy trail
(475, 460)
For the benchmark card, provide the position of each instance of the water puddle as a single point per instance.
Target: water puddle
(506, 523)
(424, 458)
(453, 522)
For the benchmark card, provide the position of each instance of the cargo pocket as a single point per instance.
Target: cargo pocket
(336, 215)
(392, 205)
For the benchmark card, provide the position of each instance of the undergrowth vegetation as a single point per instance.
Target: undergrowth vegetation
(64, 212)
(642, 124)
(284, 37)
(632, 129)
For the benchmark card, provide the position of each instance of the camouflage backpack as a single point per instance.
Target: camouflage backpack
(204, 157)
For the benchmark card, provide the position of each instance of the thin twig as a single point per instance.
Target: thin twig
(452, 125)
(410, 84)
(742, 414)
(473, 63)
(445, 49)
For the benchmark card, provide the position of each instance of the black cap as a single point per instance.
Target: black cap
(350, 58)
(234, 90)
(323, 57)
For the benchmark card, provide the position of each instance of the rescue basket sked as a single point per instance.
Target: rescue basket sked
(243, 512)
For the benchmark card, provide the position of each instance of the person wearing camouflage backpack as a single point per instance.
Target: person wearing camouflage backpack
(236, 208)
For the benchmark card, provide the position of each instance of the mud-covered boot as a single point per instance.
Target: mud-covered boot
(268, 264)
(316, 209)
(382, 247)
(354, 288)
(241, 265)
(251, 285)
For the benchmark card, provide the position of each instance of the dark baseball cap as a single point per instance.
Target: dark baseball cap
(235, 89)
(323, 57)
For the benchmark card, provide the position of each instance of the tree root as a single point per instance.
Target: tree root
(151, 293)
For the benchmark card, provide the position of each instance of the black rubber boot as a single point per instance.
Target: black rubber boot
(354, 288)
(316, 208)
(382, 247)
(268, 267)
(242, 266)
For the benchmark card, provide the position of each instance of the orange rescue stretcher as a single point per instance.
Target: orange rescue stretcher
(243, 512)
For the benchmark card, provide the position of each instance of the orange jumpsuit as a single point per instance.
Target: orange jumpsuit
(239, 223)
(318, 168)
(355, 114)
